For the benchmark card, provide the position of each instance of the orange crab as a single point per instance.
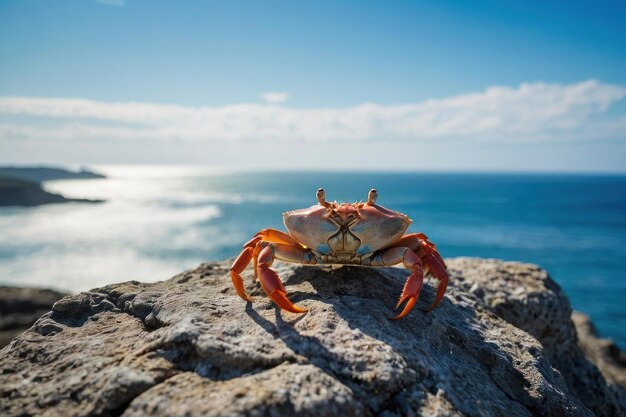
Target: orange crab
(346, 234)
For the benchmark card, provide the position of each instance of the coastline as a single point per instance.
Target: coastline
(22, 186)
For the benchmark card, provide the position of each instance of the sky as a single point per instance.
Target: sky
(441, 85)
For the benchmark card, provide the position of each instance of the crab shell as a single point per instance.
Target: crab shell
(356, 229)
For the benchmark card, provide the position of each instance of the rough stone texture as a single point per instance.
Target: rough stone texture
(496, 346)
(21, 307)
(525, 296)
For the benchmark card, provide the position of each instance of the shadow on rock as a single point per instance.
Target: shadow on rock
(460, 354)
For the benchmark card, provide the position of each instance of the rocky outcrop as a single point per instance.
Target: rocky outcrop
(21, 186)
(38, 174)
(17, 192)
(500, 344)
(604, 353)
(21, 307)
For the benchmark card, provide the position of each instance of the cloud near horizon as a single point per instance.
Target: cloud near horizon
(531, 112)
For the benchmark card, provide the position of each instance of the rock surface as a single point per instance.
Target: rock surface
(21, 307)
(500, 344)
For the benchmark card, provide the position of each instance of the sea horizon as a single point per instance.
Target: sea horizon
(265, 169)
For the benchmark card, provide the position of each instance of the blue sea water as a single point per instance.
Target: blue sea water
(160, 220)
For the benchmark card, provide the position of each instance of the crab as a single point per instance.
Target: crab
(330, 233)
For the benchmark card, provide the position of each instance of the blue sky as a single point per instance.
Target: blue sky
(213, 59)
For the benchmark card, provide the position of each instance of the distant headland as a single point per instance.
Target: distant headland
(39, 174)
(21, 186)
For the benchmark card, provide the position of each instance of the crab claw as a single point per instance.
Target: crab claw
(411, 291)
(273, 286)
(271, 283)
(281, 300)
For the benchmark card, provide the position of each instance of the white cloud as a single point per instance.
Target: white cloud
(275, 97)
(530, 112)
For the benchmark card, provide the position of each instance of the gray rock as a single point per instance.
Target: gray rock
(498, 345)
(525, 296)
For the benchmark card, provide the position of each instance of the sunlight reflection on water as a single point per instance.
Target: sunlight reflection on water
(77, 246)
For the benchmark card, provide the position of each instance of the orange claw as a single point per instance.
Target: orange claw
(410, 291)
(271, 283)
(281, 300)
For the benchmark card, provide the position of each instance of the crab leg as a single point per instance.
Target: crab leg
(416, 241)
(432, 260)
(237, 268)
(277, 236)
(269, 279)
(268, 235)
(413, 285)
(251, 251)
(437, 267)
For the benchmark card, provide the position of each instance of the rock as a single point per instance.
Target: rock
(602, 352)
(21, 307)
(539, 307)
(496, 346)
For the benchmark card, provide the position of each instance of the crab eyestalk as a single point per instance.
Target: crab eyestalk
(372, 196)
(321, 198)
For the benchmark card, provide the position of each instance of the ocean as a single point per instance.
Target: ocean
(160, 220)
